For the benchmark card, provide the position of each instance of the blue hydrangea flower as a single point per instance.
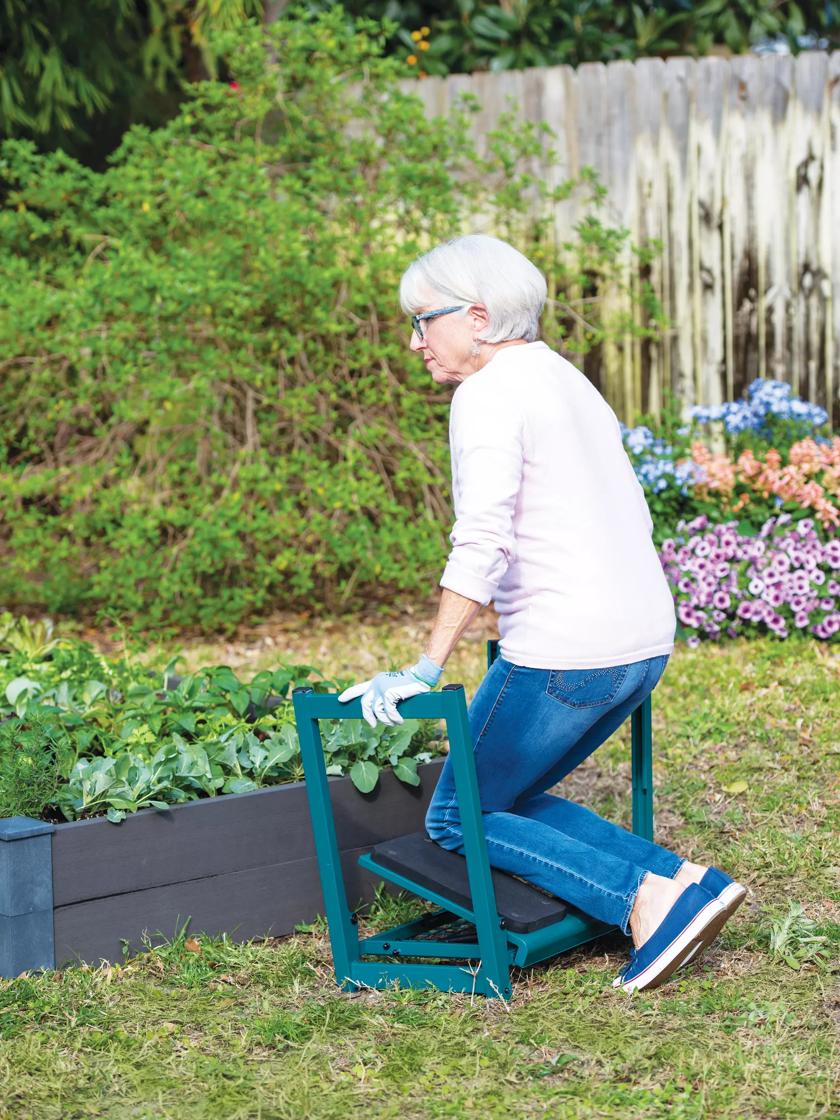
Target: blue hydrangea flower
(654, 462)
(764, 402)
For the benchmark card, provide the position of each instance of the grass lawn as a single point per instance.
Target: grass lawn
(746, 759)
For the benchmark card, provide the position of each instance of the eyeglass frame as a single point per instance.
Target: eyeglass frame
(416, 320)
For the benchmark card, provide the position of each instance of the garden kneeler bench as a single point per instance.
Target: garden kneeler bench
(484, 921)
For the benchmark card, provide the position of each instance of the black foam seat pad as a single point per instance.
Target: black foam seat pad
(523, 908)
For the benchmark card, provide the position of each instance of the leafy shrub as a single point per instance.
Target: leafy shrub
(207, 406)
(67, 66)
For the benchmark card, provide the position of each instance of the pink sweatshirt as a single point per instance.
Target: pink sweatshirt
(551, 522)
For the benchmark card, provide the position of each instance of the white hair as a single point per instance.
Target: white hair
(479, 269)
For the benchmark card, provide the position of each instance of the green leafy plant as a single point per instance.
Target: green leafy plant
(239, 761)
(353, 747)
(36, 755)
(135, 776)
(33, 640)
(82, 735)
(794, 938)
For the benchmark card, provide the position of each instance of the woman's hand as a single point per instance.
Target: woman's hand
(381, 694)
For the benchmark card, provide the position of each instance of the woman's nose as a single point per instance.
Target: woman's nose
(416, 343)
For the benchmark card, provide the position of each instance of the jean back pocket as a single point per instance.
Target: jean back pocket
(586, 688)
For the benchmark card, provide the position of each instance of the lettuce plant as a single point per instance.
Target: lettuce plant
(94, 735)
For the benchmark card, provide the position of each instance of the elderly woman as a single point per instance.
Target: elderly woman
(552, 525)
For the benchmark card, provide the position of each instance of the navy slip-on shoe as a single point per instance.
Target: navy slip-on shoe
(689, 925)
(728, 893)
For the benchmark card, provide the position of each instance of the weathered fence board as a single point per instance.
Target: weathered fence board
(733, 165)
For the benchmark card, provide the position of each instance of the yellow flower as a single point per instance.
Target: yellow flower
(424, 32)
(412, 60)
(145, 207)
(416, 36)
(423, 45)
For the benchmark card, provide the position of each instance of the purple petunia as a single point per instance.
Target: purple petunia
(727, 583)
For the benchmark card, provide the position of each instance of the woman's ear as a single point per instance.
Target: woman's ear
(479, 317)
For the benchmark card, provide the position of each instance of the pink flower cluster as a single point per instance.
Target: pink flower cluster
(780, 581)
(811, 477)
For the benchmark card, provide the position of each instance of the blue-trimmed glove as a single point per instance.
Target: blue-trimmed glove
(381, 694)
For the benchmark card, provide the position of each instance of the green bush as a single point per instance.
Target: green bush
(207, 406)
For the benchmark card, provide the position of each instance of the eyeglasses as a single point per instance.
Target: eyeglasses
(417, 320)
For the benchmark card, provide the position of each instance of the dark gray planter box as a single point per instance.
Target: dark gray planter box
(241, 864)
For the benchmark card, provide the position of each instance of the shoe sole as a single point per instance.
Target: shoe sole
(730, 899)
(698, 933)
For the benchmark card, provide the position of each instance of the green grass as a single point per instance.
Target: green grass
(747, 756)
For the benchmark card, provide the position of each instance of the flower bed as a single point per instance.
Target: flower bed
(746, 505)
(808, 483)
(782, 580)
(748, 457)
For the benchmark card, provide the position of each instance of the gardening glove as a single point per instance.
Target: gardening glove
(382, 693)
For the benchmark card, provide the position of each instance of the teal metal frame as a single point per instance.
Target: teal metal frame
(408, 955)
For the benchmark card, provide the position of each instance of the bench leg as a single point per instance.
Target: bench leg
(642, 769)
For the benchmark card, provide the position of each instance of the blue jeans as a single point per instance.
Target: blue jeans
(530, 728)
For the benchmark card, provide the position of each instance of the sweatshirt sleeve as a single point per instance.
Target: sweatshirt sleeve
(487, 458)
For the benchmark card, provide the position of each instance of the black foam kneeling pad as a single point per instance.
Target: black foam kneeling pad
(523, 908)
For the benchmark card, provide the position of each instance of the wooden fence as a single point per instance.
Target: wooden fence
(734, 166)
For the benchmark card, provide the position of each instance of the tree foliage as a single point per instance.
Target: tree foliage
(69, 69)
(440, 38)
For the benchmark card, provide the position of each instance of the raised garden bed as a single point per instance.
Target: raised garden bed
(241, 864)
